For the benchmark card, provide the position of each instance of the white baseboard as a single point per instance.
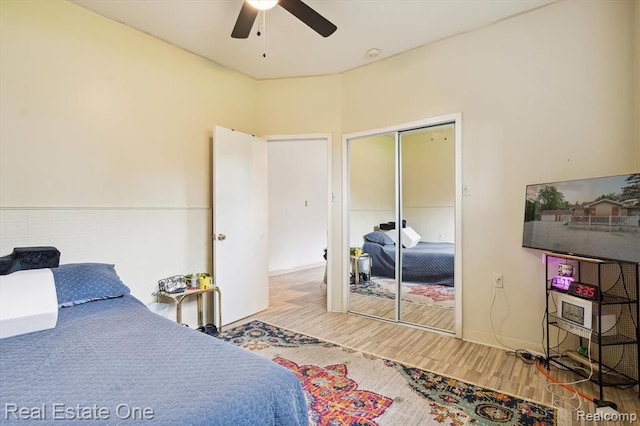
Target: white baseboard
(505, 343)
(296, 269)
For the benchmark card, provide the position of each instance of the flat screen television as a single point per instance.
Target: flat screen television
(596, 217)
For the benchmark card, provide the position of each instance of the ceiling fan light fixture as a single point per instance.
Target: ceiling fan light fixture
(263, 4)
(251, 9)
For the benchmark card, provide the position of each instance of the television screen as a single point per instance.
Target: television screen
(596, 217)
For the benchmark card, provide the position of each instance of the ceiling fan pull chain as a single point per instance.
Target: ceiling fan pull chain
(264, 30)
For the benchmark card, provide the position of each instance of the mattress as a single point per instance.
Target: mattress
(116, 361)
(431, 263)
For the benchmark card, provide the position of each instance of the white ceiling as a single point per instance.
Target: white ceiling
(293, 49)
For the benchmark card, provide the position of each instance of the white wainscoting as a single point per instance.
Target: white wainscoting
(145, 244)
(434, 224)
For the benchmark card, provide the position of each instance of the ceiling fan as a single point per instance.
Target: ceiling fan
(297, 8)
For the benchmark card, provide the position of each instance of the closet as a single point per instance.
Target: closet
(403, 224)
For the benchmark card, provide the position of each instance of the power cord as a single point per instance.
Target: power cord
(493, 328)
(560, 401)
(564, 385)
(526, 356)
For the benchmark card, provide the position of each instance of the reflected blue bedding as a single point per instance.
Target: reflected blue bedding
(116, 361)
(431, 263)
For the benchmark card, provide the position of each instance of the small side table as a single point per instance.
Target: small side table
(179, 298)
(355, 267)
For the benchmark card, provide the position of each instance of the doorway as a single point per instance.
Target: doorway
(299, 204)
(403, 193)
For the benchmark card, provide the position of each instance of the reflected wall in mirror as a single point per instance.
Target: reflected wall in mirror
(405, 177)
(428, 207)
(372, 200)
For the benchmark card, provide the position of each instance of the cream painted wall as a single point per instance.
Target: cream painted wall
(136, 111)
(105, 141)
(372, 163)
(372, 184)
(544, 96)
(428, 166)
(428, 183)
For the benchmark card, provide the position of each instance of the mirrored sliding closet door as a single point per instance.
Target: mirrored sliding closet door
(402, 226)
(372, 189)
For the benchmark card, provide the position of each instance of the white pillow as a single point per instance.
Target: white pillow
(28, 302)
(409, 237)
(392, 234)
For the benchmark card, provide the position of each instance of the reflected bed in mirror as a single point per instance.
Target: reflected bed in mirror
(425, 262)
(426, 292)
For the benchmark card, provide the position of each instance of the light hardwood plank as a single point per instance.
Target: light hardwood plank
(298, 302)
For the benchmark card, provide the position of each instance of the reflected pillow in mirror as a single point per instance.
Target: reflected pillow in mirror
(379, 238)
(410, 238)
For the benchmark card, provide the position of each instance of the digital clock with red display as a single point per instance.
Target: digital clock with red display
(586, 291)
(568, 285)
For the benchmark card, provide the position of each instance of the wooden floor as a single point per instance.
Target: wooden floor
(413, 313)
(298, 302)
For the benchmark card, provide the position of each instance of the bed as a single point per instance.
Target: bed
(426, 262)
(110, 358)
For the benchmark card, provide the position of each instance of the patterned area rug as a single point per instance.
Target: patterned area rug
(347, 387)
(441, 296)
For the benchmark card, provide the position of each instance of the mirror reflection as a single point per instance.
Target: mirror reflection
(403, 192)
(372, 200)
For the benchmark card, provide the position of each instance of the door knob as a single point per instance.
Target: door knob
(222, 237)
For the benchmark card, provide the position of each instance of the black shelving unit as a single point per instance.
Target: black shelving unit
(614, 352)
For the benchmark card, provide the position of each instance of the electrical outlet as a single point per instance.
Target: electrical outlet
(497, 280)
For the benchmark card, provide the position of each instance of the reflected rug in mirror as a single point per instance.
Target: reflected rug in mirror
(349, 387)
(440, 296)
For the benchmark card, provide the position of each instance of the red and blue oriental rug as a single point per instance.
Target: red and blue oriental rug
(348, 387)
(436, 295)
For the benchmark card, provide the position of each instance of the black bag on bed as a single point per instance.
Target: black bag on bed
(29, 258)
(391, 225)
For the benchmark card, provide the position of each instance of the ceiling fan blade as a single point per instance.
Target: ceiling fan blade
(245, 21)
(309, 16)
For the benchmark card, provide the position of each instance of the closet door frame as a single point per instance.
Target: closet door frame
(456, 120)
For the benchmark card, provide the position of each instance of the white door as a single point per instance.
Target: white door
(240, 223)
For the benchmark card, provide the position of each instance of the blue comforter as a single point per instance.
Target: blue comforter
(431, 263)
(116, 361)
